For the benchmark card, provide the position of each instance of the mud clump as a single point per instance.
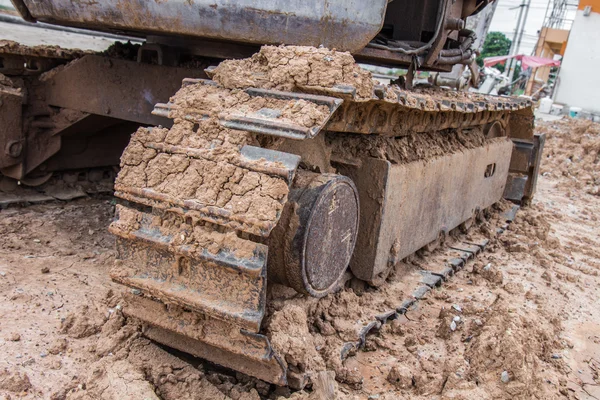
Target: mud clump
(198, 237)
(489, 272)
(58, 346)
(401, 377)
(530, 234)
(202, 160)
(512, 342)
(295, 68)
(112, 380)
(84, 322)
(11, 47)
(115, 335)
(14, 337)
(324, 387)
(16, 382)
(289, 334)
(123, 51)
(408, 148)
(131, 367)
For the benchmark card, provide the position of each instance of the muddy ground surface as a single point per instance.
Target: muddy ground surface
(521, 321)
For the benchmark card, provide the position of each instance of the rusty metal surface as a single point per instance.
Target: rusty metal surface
(22, 9)
(525, 169)
(432, 30)
(211, 339)
(539, 140)
(265, 127)
(41, 136)
(522, 156)
(406, 206)
(428, 34)
(12, 139)
(219, 284)
(94, 141)
(342, 24)
(116, 88)
(422, 111)
(20, 65)
(526, 157)
(515, 187)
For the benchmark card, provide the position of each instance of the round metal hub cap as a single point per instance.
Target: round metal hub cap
(330, 234)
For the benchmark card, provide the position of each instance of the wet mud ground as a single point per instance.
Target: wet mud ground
(521, 321)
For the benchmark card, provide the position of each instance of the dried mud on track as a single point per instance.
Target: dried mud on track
(522, 321)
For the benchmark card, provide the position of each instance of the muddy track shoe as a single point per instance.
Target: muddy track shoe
(262, 179)
(201, 201)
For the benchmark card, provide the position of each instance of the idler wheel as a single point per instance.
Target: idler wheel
(311, 247)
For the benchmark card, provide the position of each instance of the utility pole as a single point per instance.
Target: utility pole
(510, 62)
(513, 65)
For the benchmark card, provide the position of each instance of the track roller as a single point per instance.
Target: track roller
(310, 248)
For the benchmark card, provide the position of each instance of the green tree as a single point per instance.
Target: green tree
(496, 44)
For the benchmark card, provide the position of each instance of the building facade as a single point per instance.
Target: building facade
(578, 83)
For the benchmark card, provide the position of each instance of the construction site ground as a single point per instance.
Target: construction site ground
(521, 321)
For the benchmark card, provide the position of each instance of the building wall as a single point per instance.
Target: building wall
(550, 43)
(595, 4)
(579, 77)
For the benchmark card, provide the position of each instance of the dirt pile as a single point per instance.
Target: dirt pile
(405, 149)
(572, 153)
(483, 335)
(511, 351)
(131, 367)
(82, 323)
(11, 47)
(16, 382)
(490, 333)
(291, 68)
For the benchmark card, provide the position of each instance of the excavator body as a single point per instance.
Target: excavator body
(284, 166)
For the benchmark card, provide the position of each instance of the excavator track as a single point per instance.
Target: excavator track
(253, 353)
(264, 184)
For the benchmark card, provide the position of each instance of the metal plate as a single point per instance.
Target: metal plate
(116, 88)
(342, 24)
(404, 207)
(12, 140)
